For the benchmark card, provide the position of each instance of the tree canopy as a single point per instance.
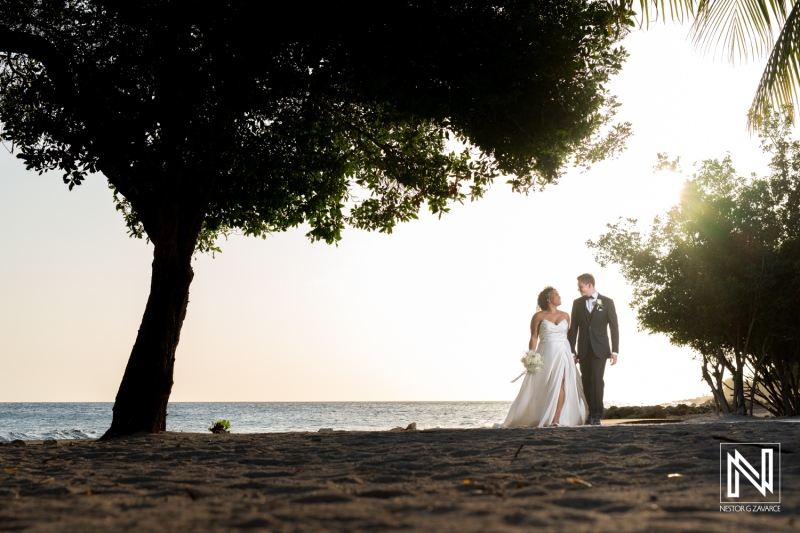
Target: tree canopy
(207, 117)
(282, 120)
(720, 274)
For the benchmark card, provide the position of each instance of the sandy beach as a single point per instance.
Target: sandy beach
(618, 477)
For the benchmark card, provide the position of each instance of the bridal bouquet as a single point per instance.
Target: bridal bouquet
(532, 361)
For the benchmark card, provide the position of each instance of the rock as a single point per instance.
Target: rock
(654, 411)
(693, 409)
(18, 442)
(411, 427)
(50, 442)
(615, 412)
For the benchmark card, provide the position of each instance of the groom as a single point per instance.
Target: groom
(593, 316)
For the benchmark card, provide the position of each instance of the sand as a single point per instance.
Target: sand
(617, 477)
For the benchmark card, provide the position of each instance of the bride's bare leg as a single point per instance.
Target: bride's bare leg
(560, 403)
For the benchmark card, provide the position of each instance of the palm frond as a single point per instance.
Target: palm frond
(678, 10)
(742, 29)
(779, 83)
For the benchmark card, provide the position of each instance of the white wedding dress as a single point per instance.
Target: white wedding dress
(536, 402)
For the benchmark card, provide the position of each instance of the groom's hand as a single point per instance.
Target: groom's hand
(613, 359)
(575, 357)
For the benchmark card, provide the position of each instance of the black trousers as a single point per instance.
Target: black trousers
(592, 370)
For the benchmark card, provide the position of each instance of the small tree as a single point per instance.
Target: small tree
(716, 272)
(206, 117)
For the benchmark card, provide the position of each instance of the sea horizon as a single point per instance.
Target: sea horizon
(87, 420)
(608, 402)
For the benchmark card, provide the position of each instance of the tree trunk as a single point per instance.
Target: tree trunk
(739, 404)
(716, 388)
(141, 403)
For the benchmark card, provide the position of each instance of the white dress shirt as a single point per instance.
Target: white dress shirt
(591, 300)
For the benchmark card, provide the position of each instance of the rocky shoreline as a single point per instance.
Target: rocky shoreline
(658, 411)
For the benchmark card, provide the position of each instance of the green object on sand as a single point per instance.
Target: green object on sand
(220, 426)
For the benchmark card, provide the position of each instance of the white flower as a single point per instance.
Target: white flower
(532, 361)
(599, 304)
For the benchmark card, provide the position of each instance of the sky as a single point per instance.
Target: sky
(437, 311)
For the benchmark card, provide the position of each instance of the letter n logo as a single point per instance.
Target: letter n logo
(741, 460)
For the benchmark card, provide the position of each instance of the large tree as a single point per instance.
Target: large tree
(720, 273)
(207, 117)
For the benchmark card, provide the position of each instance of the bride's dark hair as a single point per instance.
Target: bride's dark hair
(541, 301)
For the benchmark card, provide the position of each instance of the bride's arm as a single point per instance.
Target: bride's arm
(569, 328)
(534, 342)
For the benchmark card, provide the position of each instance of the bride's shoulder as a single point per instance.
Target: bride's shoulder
(538, 316)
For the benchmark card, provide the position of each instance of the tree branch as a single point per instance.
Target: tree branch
(40, 49)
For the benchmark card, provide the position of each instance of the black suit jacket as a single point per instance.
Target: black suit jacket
(593, 328)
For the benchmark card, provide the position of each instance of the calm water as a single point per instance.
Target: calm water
(37, 421)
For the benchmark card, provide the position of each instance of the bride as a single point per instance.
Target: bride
(553, 396)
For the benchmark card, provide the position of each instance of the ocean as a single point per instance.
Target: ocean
(38, 421)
